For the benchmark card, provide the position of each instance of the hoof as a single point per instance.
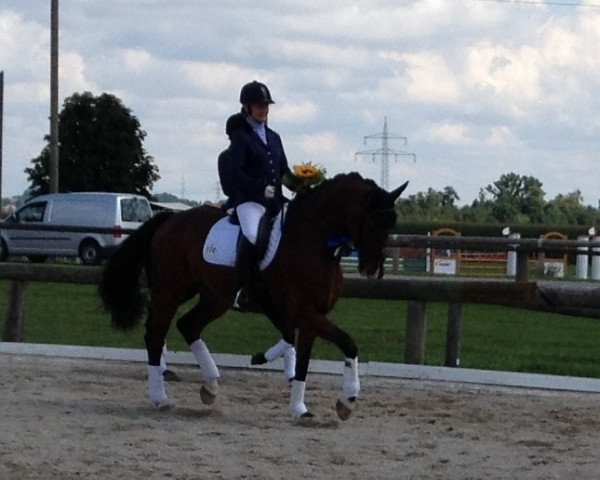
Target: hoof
(208, 394)
(170, 376)
(344, 411)
(304, 420)
(161, 404)
(258, 359)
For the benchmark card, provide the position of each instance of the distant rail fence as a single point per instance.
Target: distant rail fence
(565, 297)
(490, 256)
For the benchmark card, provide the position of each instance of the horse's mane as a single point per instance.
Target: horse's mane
(317, 193)
(308, 206)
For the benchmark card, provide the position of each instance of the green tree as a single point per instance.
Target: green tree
(480, 210)
(517, 198)
(569, 209)
(430, 205)
(100, 149)
(449, 196)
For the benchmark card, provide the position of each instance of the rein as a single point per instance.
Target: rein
(341, 245)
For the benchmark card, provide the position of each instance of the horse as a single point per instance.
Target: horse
(296, 291)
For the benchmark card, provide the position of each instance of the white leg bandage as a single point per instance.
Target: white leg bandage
(351, 381)
(163, 359)
(156, 387)
(297, 407)
(289, 363)
(205, 361)
(277, 350)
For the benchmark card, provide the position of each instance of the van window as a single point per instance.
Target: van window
(31, 213)
(81, 212)
(135, 210)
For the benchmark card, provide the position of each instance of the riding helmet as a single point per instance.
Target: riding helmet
(255, 93)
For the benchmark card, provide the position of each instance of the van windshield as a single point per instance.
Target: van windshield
(135, 210)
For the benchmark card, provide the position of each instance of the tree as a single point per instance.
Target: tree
(569, 210)
(517, 198)
(449, 196)
(430, 205)
(100, 149)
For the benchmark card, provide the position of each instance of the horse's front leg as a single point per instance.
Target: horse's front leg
(305, 342)
(325, 329)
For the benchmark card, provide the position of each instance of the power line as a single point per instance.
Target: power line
(385, 152)
(544, 2)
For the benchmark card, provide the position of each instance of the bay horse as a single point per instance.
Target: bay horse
(296, 291)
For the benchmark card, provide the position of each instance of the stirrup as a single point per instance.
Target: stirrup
(241, 301)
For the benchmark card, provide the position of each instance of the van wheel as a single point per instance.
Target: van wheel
(90, 253)
(3, 251)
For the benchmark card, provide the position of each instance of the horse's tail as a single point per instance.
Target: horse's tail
(120, 287)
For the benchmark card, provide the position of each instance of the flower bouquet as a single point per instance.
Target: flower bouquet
(304, 177)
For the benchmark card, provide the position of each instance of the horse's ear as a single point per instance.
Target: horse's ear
(396, 193)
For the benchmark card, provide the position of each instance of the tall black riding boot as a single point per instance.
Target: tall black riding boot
(244, 268)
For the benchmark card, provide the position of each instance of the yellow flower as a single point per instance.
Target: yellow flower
(304, 176)
(306, 170)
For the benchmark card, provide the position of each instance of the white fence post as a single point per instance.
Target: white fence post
(581, 270)
(596, 258)
(511, 258)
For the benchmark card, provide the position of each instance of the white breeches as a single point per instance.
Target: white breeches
(249, 215)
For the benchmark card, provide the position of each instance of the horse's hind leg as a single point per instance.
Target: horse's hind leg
(191, 325)
(157, 325)
(283, 348)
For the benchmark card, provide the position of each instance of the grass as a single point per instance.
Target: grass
(494, 338)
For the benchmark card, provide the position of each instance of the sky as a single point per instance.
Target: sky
(473, 88)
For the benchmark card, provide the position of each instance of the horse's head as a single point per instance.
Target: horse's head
(349, 210)
(372, 233)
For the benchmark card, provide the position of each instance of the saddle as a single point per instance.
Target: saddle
(220, 246)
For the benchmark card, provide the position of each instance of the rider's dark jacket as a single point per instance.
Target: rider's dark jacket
(255, 165)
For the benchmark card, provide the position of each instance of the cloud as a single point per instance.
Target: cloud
(452, 133)
(296, 112)
(510, 77)
(480, 89)
(462, 134)
(427, 78)
(137, 60)
(24, 49)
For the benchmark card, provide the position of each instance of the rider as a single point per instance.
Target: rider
(258, 163)
(234, 122)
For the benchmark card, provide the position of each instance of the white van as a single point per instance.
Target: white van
(112, 212)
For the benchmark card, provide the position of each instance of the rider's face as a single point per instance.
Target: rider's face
(259, 112)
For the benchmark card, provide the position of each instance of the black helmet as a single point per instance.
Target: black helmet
(255, 93)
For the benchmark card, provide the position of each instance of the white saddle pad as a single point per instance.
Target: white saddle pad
(221, 243)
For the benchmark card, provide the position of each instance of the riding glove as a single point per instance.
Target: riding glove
(269, 192)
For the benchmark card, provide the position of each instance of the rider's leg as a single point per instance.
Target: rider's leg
(245, 264)
(249, 215)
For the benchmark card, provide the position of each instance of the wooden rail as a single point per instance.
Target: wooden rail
(570, 298)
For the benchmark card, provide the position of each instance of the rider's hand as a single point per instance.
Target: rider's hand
(269, 192)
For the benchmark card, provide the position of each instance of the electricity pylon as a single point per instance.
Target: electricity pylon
(385, 152)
